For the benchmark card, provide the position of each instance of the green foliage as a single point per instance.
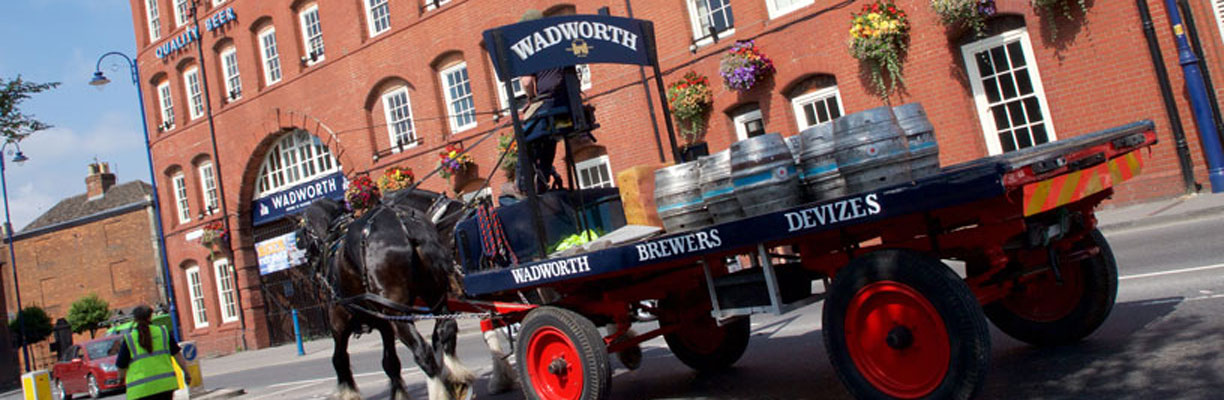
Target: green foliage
(968, 13)
(506, 145)
(87, 313)
(14, 124)
(1054, 7)
(37, 326)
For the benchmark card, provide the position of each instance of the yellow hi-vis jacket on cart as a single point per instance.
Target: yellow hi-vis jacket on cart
(151, 372)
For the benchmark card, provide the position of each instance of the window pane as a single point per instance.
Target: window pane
(1039, 134)
(834, 110)
(1000, 116)
(1024, 82)
(983, 62)
(809, 112)
(822, 114)
(1000, 59)
(1017, 54)
(1005, 139)
(991, 86)
(1033, 108)
(1023, 140)
(1017, 113)
(1007, 86)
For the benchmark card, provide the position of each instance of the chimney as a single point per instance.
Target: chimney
(100, 180)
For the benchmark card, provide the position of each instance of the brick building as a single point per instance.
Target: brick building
(98, 242)
(305, 92)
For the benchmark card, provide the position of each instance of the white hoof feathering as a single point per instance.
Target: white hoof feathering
(502, 379)
(436, 388)
(347, 393)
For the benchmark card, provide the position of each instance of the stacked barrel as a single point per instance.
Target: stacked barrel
(856, 153)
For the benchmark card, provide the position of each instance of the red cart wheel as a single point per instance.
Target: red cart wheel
(898, 324)
(562, 357)
(1047, 312)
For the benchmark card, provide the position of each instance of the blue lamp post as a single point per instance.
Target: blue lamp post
(19, 158)
(100, 80)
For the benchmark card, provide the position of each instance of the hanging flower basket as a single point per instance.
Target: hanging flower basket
(690, 101)
(878, 37)
(215, 237)
(508, 146)
(744, 65)
(966, 13)
(362, 194)
(1052, 8)
(395, 178)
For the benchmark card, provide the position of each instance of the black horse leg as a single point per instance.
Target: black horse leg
(390, 360)
(342, 325)
(445, 338)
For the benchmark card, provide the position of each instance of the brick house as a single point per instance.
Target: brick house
(305, 92)
(98, 242)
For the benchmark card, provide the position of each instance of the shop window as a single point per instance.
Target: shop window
(397, 108)
(166, 101)
(179, 183)
(710, 18)
(595, 173)
(208, 187)
(817, 107)
(226, 295)
(460, 106)
(296, 158)
(312, 35)
(435, 4)
(195, 97)
(154, 14)
(748, 123)
(233, 80)
(778, 8)
(271, 56)
(1008, 92)
(378, 16)
(195, 289)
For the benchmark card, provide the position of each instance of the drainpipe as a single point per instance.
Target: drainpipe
(1209, 138)
(1195, 43)
(1166, 94)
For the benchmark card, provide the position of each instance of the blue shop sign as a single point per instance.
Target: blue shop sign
(531, 46)
(291, 201)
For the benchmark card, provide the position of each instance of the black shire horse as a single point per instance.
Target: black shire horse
(390, 257)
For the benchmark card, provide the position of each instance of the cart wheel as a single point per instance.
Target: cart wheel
(1045, 312)
(705, 346)
(562, 357)
(898, 324)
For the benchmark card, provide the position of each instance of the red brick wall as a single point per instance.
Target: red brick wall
(114, 258)
(1097, 74)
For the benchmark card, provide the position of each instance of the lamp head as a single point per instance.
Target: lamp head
(20, 158)
(99, 80)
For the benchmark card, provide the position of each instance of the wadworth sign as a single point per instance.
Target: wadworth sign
(527, 47)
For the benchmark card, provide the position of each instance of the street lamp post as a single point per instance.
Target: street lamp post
(18, 158)
(99, 80)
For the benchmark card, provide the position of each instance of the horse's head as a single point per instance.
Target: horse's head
(315, 224)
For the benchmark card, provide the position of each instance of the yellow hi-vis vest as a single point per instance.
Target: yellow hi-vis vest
(151, 372)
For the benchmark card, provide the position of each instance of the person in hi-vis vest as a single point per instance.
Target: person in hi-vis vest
(145, 359)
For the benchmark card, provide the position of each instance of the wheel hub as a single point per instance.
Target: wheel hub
(558, 366)
(899, 338)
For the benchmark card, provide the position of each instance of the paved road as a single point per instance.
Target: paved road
(1163, 340)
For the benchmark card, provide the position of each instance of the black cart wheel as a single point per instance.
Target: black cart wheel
(899, 324)
(705, 346)
(561, 356)
(1047, 312)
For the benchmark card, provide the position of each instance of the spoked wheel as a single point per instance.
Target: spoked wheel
(1048, 312)
(705, 346)
(561, 356)
(898, 324)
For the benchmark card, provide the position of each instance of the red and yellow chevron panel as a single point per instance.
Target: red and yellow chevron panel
(1064, 189)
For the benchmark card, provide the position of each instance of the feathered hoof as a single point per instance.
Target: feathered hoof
(500, 382)
(348, 393)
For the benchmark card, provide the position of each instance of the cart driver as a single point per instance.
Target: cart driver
(545, 88)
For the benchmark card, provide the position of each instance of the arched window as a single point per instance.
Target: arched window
(816, 100)
(296, 158)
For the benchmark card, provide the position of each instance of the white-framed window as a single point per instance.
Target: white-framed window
(312, 34)
(1218, 7)
(435, 4)
(778, 8)
(182, 12)
(748, 123)
(179, 184)
(218, 2)
(271, 56)
(1008, 92)
(817, 107)
(233, 81)
(208, 186)
(709, 18)
(515, 84)
(166, 101)
(195, 288)
(397, 108)
(595, 173)
(195, 97)
(378, 16)
(226, 295)
(459, 103)
(153, 13)
(298, 157)
(584, 76)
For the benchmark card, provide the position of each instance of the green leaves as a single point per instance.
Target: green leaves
(87, 313)
(14, 124)
(37, 326)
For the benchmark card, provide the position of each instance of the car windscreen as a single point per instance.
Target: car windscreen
(103, 348)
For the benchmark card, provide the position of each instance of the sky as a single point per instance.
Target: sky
(60, 41)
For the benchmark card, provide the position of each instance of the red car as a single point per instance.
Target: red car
(88, 368)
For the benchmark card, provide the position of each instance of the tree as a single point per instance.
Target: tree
(14, 124)
(87, 313)
(37, 326)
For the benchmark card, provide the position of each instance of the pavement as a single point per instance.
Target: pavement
(1160, 212)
